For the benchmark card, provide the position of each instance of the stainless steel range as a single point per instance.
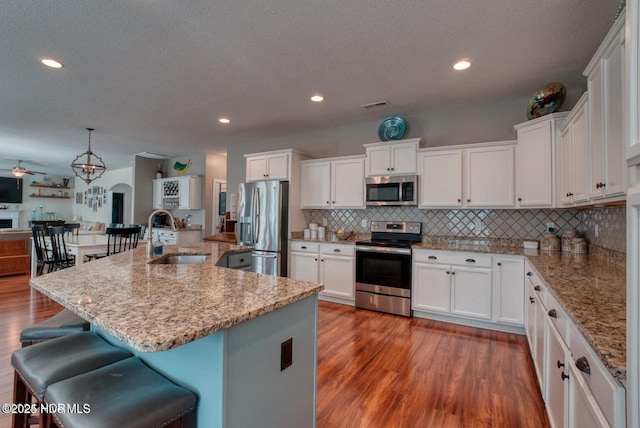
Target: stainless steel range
(383, 267)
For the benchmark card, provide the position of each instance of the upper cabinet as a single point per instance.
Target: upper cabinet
(536, 160)
(268, 166)
(333, 183)
(605, 82)
(472, 176)
(392, 157)
(183, 193)
(572, 171)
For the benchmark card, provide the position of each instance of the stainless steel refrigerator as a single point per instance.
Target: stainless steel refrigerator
(263, 208)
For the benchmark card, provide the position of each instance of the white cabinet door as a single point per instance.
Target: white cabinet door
(256, 168)
(403, 158)
(347, 183)
(378, 161)
(509, 290)
(431, 287)
(471, 292)
(583, 408)
(491, 176)
(566, 166)
(573, 154)
(540, 347)
(316, 184)
(557, 380)
(440, 178)
(304, 267)
(190, 193)
(537, 174)
(338, 276)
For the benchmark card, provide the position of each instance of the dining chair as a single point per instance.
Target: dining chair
(43, 254)
(143, 229)
(72, 230)
(61, 257)
(119, 239)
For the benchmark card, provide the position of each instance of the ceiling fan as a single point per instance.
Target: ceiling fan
(19, 171)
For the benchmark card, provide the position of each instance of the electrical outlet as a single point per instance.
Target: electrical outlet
(286, 353)
(596, 230)
(551, 227)
(363, 223)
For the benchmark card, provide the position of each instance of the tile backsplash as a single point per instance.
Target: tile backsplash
(488, 223)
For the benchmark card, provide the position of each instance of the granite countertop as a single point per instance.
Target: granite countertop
(156, 307)
(591, 289)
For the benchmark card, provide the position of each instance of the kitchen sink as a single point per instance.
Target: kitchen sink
(180, 259)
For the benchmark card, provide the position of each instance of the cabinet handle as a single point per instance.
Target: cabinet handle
(553, 313)
(560, 364)
(470, 261)
(241, 260)
(336, 250)
(537, 288)
(434, 258)
(583, 365)
(529, 273)
(564, 376)
(304, 247)
(532, 300)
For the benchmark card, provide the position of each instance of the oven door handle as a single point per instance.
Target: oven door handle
(388, 250)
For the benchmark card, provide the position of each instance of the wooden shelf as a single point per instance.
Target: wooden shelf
(50, 196)
(48, 186)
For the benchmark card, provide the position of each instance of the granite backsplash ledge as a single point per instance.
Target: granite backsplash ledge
(511, 225)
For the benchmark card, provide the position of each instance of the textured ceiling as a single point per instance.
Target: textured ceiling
(154, 75)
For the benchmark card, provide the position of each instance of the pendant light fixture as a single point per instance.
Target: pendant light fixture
(88, 166)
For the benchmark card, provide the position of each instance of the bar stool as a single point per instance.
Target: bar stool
(40, 365)
(124, 394)
(61, 324)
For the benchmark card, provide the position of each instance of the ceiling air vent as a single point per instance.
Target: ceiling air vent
(374, 105)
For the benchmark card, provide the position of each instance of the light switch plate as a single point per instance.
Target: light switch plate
(363, 223)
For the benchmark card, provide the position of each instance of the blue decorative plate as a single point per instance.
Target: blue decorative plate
(392, 128)
(547, 99)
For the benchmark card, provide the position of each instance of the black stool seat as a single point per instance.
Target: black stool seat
(45, 363)
(61, 324)
(124, 394)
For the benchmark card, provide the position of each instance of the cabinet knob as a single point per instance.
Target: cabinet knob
(448, 272)
(553, 314)
(564, 376)
(322, 260)
(453, 273)
(333, 202)
(459, 200)
(327, 202)
(315, 259)
(388, 169)
(583, 365)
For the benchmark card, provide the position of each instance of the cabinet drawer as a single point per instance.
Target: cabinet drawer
(304, 247)
(607, 392)
(337, 250)
(558, 317)
(452, 258)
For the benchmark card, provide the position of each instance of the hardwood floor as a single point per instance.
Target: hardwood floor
(374, 370)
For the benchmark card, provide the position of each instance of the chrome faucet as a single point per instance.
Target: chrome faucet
(150, 246)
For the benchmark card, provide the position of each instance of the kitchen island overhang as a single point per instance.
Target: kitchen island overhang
(214, 330)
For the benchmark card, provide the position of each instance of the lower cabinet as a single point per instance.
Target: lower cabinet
(330, 264)
(508, 280)
(578, 391)
(179, 237)
(452, 283)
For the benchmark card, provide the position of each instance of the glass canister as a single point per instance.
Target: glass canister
(578, 246)
(550, 242)
(567, 236)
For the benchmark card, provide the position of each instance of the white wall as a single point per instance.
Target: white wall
(110, 179)
(216, 166)
(62, 208)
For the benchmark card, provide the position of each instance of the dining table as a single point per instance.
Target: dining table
(79, 246)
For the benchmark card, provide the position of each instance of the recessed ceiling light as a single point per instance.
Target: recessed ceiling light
(317, 98)
(463, 64)
(50, 62)
(224, 120)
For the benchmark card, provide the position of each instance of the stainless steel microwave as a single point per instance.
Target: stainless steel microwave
(392, 190)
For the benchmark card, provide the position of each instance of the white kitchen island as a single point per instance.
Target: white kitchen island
(217, 331)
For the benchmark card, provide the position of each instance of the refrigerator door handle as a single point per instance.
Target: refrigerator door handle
(257, 216)
(264, 256)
